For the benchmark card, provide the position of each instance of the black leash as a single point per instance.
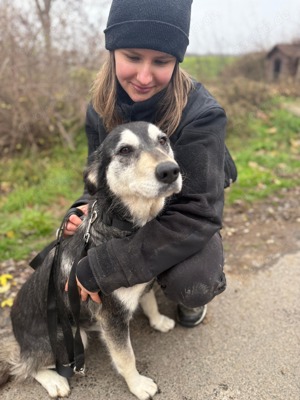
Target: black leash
(56, 309)
(74, 298)
(40, 257)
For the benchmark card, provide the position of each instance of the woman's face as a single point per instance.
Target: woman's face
(142, 73)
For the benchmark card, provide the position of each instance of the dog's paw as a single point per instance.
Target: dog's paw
(162, 323)
(56, 385)
(143, 388)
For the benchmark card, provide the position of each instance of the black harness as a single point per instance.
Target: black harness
(56, 309)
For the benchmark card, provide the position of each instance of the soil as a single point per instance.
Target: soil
(254, 237)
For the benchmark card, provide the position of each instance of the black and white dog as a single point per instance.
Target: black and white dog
(131, 175)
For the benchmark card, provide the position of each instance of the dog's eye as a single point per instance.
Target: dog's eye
(163, 140)
(125, 150)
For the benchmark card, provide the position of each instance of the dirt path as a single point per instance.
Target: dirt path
(256, 236)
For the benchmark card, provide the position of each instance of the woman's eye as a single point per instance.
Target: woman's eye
(163, 140)
(125, 150)
(158, 62)
(133, 58)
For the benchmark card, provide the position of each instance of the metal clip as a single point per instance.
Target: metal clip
(81, 371)
(94, 215)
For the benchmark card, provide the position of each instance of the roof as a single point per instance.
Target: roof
(289, 50)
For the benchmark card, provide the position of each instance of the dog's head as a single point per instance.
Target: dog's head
(135, 161)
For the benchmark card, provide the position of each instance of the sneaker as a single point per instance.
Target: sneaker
(190, 317)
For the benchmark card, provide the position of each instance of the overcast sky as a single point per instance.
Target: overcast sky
(225, 26)
(239, 26)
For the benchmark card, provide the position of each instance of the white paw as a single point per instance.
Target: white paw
(162, 323)
(56, 385)
(143, 388)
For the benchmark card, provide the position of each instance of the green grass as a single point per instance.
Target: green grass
(206, 67)
(38, 190)
(268, 159)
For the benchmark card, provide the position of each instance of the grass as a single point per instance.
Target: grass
(36, 190)
(268, 159)
(206, 67)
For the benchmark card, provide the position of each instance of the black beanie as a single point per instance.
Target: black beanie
(161, 25)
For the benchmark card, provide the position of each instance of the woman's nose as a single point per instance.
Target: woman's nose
(144, 75)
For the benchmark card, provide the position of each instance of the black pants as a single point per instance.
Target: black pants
(197, 280)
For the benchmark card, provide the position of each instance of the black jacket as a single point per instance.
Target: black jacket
(192, 218)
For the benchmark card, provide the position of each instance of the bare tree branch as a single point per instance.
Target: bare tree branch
(43, 13)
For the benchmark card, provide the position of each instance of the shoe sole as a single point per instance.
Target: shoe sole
(196, 323)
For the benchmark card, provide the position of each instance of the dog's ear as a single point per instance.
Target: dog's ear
(91, 175)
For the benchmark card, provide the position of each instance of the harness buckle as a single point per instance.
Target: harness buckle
(86, 237)
(94, 215)
(80, 371)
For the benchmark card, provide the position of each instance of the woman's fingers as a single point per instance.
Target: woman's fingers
(84, 208)
(84, 294)
(72, 225)
(95, 297)
(74, 221)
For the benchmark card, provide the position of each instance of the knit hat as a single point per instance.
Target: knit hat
(161, 25)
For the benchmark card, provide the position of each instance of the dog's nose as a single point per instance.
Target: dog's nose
(167, 172)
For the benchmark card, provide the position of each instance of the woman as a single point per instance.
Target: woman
(142, 80)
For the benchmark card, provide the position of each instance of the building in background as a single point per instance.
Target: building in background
(282, 62)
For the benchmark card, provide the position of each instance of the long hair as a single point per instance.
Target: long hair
(104, 98)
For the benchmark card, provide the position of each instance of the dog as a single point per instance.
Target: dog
(131, 175)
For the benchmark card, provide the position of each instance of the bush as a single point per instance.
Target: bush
(250, 66)
(45, 74)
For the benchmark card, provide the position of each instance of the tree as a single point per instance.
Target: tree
(43, 8)
(48, 60)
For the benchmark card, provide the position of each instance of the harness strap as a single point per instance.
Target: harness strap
(112, 220)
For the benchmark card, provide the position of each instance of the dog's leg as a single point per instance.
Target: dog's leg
(56, 385)
(157, 321)
(118, 342)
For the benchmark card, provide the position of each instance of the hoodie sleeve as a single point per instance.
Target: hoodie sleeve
(188, 221)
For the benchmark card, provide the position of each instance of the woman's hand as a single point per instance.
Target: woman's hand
(84, 294)
(74, 221)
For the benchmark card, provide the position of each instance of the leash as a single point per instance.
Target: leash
(74, 299)
(56, 309)
(40, 257)
(76, 352)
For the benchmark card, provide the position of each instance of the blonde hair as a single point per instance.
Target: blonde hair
(104, 97)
